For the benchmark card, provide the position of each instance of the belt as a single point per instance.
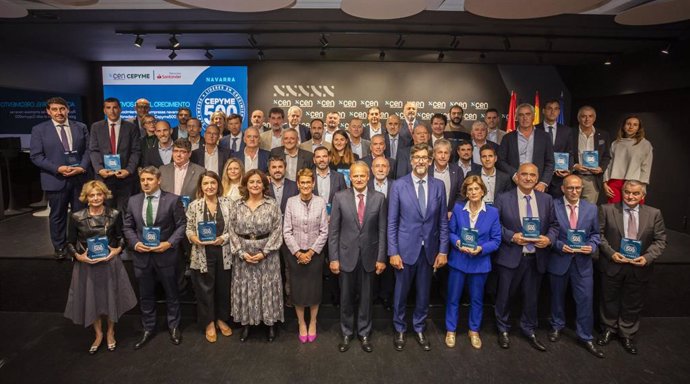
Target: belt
(529, 254)
(253, 236)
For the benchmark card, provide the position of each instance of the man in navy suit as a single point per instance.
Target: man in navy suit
(161, 153)
(294, 121)
(527, 145)
(155, 209)
(114, 136)
(327, 182)
(233, 141)
(521, 261)
(574, 264)
(392, 134)
(183, 116)
(252, 157)
(403, 165)
(59, 148)
(417, 241)
(211, 156)
(408, 124)
(562, 138)
(465, 163)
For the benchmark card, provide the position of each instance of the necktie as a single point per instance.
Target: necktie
(113, 142)
(234, 144)
(573, 216)
(529, 247)
(632, 225)
(63, 137)
(149, 211)
(550, 131)
(360, 209)
(421, 197)
(394, 147)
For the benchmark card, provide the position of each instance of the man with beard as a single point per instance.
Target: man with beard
(456, 114)
(162, 152)
(374, 126)
(359, 145)
(183, 116)
(332, 125)
(316, 130)
(273, 137)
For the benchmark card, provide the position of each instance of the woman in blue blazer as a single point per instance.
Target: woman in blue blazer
(467, 264)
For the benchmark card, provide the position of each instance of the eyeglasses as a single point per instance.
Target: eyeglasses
(420, 158)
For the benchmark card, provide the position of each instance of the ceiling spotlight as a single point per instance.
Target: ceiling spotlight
(173, 41)
(139, 41)
(208, 54)
(323, 41)
(441, 55)
(399, 43)
(382, 55)
(666, 50)
(608, 61)
(323, 52)
(455, 42)
(261, 55)
(252, 41)
(172, 55)
(506, 43)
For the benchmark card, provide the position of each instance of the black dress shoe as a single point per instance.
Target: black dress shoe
(366, 344)
(554, 335)
(423, 341)
(605, 337)
(504, 340)
(244, 335)
(345, 343)
(629, 345)
(535, 343)
(399, 341)
(176, 336)
(60, 254)
(145, 338)
(271, 334)
(591, 348)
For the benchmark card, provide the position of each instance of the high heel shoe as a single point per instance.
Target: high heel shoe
(94, 349)
(112, 347)
(271, 333)
(303, 339)
(311, 338)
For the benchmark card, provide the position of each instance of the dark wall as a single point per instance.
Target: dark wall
(49, 73)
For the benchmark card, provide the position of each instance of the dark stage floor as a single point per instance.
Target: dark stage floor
(46, 348)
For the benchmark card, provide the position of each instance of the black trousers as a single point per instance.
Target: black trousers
(147, 278)
(622, 300)
(212, 290)
(356, 297)
(59, 202)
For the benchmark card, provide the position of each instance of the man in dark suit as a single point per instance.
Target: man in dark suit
(294, 121)
(496, 181)
(624, 280)
(403, 165)
(377, 148)
(252, 157)
(233, 142)
(417, 241)
(161, 153)
(587, 138)
(294, 157)
(392, 135)
(573, 264)
(478, 138)
(155, 209)
(211, 156)
(359, 145)
(450, 174)
(327, 182)
(183, 116)
(408, 124)
(374, 126)
(194, 133)
(142, 108)
(464, 156)
(562, 139)
(114, 136)
(527, 145)
(521, 261)
(59, 148)
(380, 181)
(357, 243)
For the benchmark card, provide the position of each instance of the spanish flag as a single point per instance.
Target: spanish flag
(536, 109)
(510, 125)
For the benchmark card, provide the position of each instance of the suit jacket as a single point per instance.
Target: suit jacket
(366, 144)
(500, 134)
(337, 184)
(266, 139)
(509, 254)
(401, 144)
(405, 135)
(304, 132)
(190, 182)
(226, 142)
(474, 168)
(289, 189)
(199, 157)
(304, 158)
(366, 133)
(371, 187)
(489, 238)
(47, 153)
(151, 156)
(587, 220)
(542, 155)
(307, 145)
(348, 241)
(263, 157)
(171, 219)
(602, 144)
(456, 180)
(504, 182)
(128, 148)
(563, 143)
(408, 228)
(391, 165)
(651, 231)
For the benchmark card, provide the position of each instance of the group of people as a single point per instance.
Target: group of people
(258, 217)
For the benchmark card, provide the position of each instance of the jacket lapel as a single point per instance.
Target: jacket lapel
(352, 206)
(642, 222)
(412, 195)
(619, 219)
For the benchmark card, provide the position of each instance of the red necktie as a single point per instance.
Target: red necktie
(113, 143)
(573, 217)
(360, 209)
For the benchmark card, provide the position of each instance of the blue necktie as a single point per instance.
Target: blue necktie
(528, 198)
(394, 147)
(234, 144)
(421, 197)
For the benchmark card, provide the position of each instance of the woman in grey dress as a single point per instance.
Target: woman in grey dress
(100, 288)
(256, 235)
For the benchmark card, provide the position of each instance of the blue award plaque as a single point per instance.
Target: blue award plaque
(576, 238)
(346, 175)
(468, 237)
(72, 158)
(206, 230)
(97, 247)
(561, 161)
(185, 201)
(151, 236)
(329, 206)
(590, 159)
(112, 162)
(531, 227)
(630, 248)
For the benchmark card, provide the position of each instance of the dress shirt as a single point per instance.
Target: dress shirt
(117, 130)
(522, 205)
(492, 135)
(68, 131)
(357, 148)
(180, 173)
(584, 143)
(425, 186)
(323, 184)
(465, 168)
(315, 145)
(238, 142)
(473, 221)
(381, 186)
(636, 218)
(328, 135)
(165, 153)
(251, 162)
(276, 141)
(554, 128)
(490, 183)
(195, 145)
(278, 191)
(182, 134)
(525, 146)
(291, 166)
(154, 203)
(393, 144)
(443, 175)
(211, 160)
(433, 140)
(476, 155)
(373, 132)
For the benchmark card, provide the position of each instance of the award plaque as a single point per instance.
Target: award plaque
(112, 162)
(576, 238)
(531, 227)
(151, 236)
(206, 230)
(630, 248)
(468, 237)
(590, 159)
(97, 247)
(561, 161)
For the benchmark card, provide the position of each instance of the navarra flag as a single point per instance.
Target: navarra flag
(510, 126)
(536, 109)
(561, 119)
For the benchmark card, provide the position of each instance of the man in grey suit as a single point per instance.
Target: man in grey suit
(359, 145)
(624, 279)
(295, 157)
(357, 243)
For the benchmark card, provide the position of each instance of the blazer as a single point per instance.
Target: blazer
(262, 162)
(199, 157)
(307, 145)
(408, 228)
(651, 232)
(128, 148)
(151, 156)
(366, 133)
(226, 142)
(190, 182)
(195, 215)
(509, 254)
(337, 184)
(305, 159)
(587, 220)
(474, 168)
(371, 187)
(499, 134)
(456, 180)
(504, 182)
(391, 165)
(348, 241)
(47, 153)
(542, 155)
(488, 229)
(405, 135)
(602, 144)
(305, 226)
(171, 219)
(366, 144)
(304, 132)
(266, 140)
(289, 189)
